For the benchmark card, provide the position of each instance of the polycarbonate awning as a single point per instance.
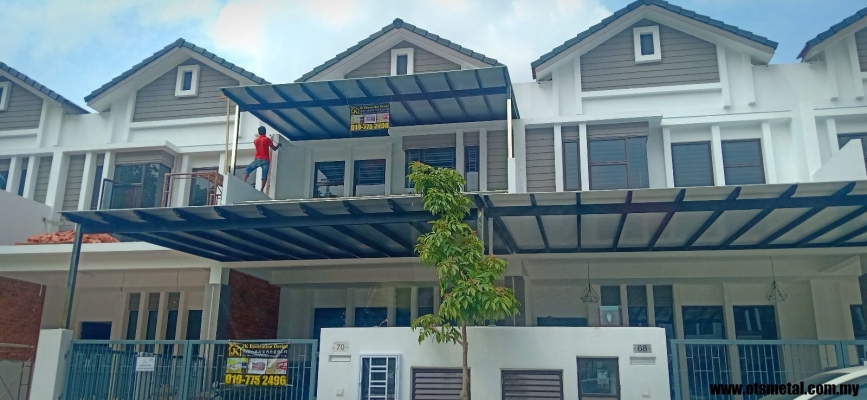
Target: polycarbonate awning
(812, 215)
(320, 110)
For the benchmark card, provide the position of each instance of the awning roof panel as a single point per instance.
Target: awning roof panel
(771, 217)
(320, 110)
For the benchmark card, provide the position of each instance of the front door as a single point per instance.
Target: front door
(759, 363)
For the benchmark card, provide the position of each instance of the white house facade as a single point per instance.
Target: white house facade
(657, 161)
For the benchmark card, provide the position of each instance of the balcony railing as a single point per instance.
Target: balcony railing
(116, 195)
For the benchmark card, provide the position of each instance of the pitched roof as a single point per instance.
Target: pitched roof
(398, 24)
(832, 31)
(659, 3)
(176, 44)
(70, 106)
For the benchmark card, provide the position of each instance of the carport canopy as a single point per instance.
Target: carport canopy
(810, 215)
(320, 110)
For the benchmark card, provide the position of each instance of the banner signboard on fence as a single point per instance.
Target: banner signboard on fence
(371, 117)
(258, 364)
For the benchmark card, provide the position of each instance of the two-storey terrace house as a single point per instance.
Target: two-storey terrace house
(657, 171)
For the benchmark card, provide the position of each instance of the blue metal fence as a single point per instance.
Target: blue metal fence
(698, 363)
(183, 370)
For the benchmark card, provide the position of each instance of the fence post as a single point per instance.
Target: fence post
(675, 370)
(313, 366)
(185, 378)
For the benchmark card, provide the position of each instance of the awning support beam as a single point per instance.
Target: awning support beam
(501, 230)
(240, 253)
(710, 220)
(421, 227)
(312, 96)
(280, 246)
(665, 221)
(415, 120)
(803, 218)
(622, 223)
(307, 232)
(382, 250)
(430, 102)
(380, 228)
(758, 218)
(540, 224)
(830, 227)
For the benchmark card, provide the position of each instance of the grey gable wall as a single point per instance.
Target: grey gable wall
(498, 169)
(540, 160)
(685, 60)
(861, 45)
(43, 175)
(425, 61)
(156, 101)
(23, 111)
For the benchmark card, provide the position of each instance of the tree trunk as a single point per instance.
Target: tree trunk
(465, 384)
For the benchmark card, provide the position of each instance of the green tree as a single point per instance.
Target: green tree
(467, 277)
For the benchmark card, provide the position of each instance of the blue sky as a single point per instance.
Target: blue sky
(74, 46)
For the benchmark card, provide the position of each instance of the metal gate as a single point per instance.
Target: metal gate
(183, 370)
(697, 363)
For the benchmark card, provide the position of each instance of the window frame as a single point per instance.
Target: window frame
(194, 84)
(617, 381)
(468, 159)
(710, 161)
(6, 87)
(361, 358)
(355, 173)
(656, 56)
(316, 183)
(566, 176)
(409, 52)
(422, 153)
(760, 164)
(626, 161)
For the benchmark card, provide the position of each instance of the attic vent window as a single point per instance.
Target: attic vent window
(402, 61)
(5, 89)
(187, 84)
(646, 42)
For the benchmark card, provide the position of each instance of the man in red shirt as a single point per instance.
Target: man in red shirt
(263, 145)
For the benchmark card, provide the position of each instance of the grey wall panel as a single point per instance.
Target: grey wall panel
(540, 160)
(685, 60)
(428, 141)
(23, 111)
(471, 138)
(156, 101)
(72, 191)
(42, 178)
(569, 132)
(618, 130)
(137, 157)
(436, 383)
(498, 168)
(861, 45)
(424, 61)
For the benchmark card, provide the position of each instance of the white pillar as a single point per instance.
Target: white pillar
(57, 180)
(748, 79)
(14, 177)
(651, 310)
(50, 366)
(833, 141)
(724, 76)
(669, 164)
(350, 308)
(855, 64)
(390, 313)
(413, 303)
(579, 101)
(211, 306)
(87, 181)
(30, 179)
(585, 161)
(768, 154)
(806, 139)
(483, 160)
(558, 158)
(459, 152)
(107, 173)
(716, 150)
(180, 188)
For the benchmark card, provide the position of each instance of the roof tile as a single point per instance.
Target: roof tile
(397, 24)
(821, 37)
(68, 105)
(659, 3)
(176, 44)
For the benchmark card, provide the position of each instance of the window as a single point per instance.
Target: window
(369, 317)
(755, 322)
(843, 139)
(5, 90)
(152, 316)
(95, 331)
(194, 325)
(438, 157)
(692, 164)
(136, 186)
(471, 168)
(202, 190)
(402, 307)
(4, 176)
(703, 322)
(425, 301)
(369, 178)
(619, 163)
(598, 377)
(172, 320)
(97, 189)
(402, 61)
(21, 180)
(742, 160)
(328, 318)
(571, 165)
(328, 180)
(609, 306)
(132, 318)
(379, 377)
(636, 299)
(646, 43)
(187, 84)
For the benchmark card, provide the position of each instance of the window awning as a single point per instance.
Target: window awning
(320, 110)
(812, 215)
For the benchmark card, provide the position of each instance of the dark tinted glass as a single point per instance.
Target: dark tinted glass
(188, 80)
(328, 180)
(131, 325)
(151, 332)
(402, 64)
(201, 188)
(437, 157)
(97, 188)
(4, 176)
(692, 164)
(610, 295)
(742, 160)
(637, 149)
(607, 150)
(703, 322)
(604, 177)
(571, 166)
(425, 301)
(646, 44)
(755, 322)
(194, 325)
(21, 181)
(367, 317)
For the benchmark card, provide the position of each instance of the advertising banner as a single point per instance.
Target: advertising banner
(372, 117)
(257, 364)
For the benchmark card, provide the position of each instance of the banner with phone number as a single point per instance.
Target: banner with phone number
(257, 364)
(372, 117)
